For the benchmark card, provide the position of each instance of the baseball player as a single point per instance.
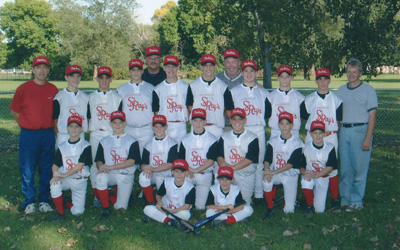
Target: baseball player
(136, 104)
(199, 148)
(320, 159)
(284, 99)
(115, 158)
(325, 106)
(253, 101)
(157, 158)
(239, 149)
(71, 170)
(281, 165)
(224, 195)
(70, 101)
(153, 74)
(169, 99)
(102, 103)
(175, 194)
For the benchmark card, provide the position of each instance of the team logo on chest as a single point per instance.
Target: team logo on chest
(116, 158)
(209, 105)
(322, 117)
(173, 106)
(280, 162)
(251, 109)
(135, 105)
(171, 205)
(197, 160)
(70, 164)
(235, 156)
(102, 114)
(157, 162)
(281, 109)
(316, 168)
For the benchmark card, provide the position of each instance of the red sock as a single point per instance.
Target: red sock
(103, 195)
(113, 199)
(334, 187)
(148, 194)
(69, 205)
(309, 196)
(58, 202)
(166, 220)
(231, 219)
(268, 198)
(274, 188)
(96, 194)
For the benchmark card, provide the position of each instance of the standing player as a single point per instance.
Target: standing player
(153, 74)
(102, 103)
(175, 194)
(224, 195)
(115, 158)
(253, 101)
(157, 158)
(68, 102)
(320, 159)
(169, 99)
(199, 148)
(281, 165)
(323, 105)
(239, 149)
(32, 108)
(71, 170)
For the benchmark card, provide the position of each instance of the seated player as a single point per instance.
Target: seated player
(158, 155)
(115, 158)
(320, 160)
(175, 194)
(225, 195)
(71, 170)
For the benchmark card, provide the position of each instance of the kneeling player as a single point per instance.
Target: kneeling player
(115, 158)
(157, 158)
(224, 195)
(321, 159)
(175, 194)
(71, 170)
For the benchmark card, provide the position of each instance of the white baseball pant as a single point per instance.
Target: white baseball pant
(246, 184)
(320, 186)
(95, 138)
(157, 215)
(142, 134)
(289, 189)
(176, 130)
(246, 212)
(202, 182)
(157, 178)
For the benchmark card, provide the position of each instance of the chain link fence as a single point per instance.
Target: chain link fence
(15, 74)
(386, 133)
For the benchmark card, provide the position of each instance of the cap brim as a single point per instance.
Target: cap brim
(225, 176)
(200, 117)
(203, 63)
(232, 57)
(286, 72)
(180, 168)
(73, 72)
(80, 125)
(104, 74)
(312, 130)
(136, 67)
(285, 119)
(163, 124)
(122, 119)
(153, 54)
(171, 64)
(322, 76)
(238, 115)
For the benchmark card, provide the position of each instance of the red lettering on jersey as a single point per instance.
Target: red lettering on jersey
(102, 114)
(171, 205)
(70, 164)
(157, 162)
(197, 160)
(316, 167)
(73, 112)
(116, 157)
(250, 109)
(173, 106)
(280, 162)
(282, 109)
(235, 156)
(322, 117)
(135, 105)
(209, 105)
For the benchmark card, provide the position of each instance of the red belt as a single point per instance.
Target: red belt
(80, 178)
(330, 133)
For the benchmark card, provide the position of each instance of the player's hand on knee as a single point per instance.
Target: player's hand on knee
(55, 180)
(148, 173)
(268, 177)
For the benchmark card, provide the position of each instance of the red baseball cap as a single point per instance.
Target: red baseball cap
(118, 114)
(285, 68)
(226, 172)
(199, 113)
(180, 164)
(322, 72)
(136, 63)
(104, 70)
(231, 53)
(208, 58)
(286, 115)
(40, 60)
(160, 119)
(238, 111)
(153, 50)
(171, 60)
(317, 125)
(75, 118)
(73, 69)
(249, 63)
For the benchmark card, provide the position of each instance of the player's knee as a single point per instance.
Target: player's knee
(55, 190)
(144, 181)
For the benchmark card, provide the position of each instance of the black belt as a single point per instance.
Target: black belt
(349, 125)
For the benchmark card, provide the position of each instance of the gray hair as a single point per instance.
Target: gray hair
(355, 62)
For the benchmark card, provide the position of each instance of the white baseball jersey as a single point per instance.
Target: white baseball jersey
(102, 104)
(211, 98)
(252, 100)
(280, 102)
(71, 104)
(220, 199)
(159, 150)
(323, 110)
(175, 196)
(316, 159)
(172, 97)
(71, 153)
(136, 103)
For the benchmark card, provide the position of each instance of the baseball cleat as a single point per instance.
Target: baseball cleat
(269, 214)
(45, 207)
(30, 209)
(145, 219)
(105, 213)
(354, 207)
(173, 223)
(335, 206)
(309, 211)
(58, 217)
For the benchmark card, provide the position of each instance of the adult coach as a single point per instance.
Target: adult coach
(32, 108)
(360, 103)
(153, 74)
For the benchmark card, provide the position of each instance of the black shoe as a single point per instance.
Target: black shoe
(173, 223)
(309, 211)
(336, 206)
(269, 214)
(259, 201)
(145, 219)
(58, 217)
(301, 203)
(105, 213)
(279, 202)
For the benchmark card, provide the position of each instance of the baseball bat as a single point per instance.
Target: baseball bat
(186, 224)
(200, 223)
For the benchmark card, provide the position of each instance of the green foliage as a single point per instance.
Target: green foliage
(167, 27)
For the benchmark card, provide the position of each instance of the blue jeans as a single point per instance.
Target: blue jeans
(354, 164)
(36, 148)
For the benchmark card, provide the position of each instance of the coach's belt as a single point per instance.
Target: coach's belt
(349, 125)
(330, 133)
(80, 178)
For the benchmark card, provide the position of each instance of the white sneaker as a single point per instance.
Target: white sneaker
(354, 207)
(45, 207)
(30, 209)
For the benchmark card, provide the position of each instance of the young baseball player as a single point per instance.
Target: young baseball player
(102, 103)
(320, 159)
(325, 106)
(175, 194)
(169, 99)
(283, 159)
(199, 148)
(157, 158)
(70, 101)
(224, 195)
(71, 170)
(284, 99)
(115, 158)
(253, 101)
(239, 149)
